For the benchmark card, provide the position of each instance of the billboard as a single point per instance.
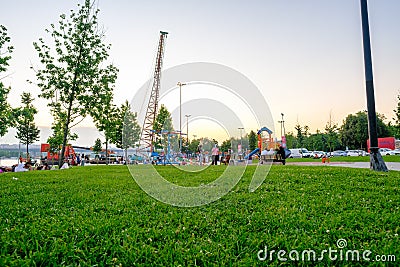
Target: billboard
(385, 142)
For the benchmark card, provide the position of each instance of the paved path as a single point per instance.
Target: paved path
(393, 166)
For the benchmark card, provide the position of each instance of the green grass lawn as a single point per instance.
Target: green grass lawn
(97, 215)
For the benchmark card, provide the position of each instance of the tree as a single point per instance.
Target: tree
(105, 116)
(27, 132)
(193, 145)
(300, 136)
(332, 136)
(97, 146)
(163, 123)
(291, 141)
(127, 130)
(6, 117)
(226, 145)
(75, 77)
(252, 140)
(354, 131)
(396, 126)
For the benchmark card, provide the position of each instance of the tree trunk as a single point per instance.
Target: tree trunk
(66, 127)
(107, 160)
(126, 156)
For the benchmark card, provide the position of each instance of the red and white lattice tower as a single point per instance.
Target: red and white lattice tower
(147, 135)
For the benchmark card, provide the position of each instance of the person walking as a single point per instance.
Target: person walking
(215, 155)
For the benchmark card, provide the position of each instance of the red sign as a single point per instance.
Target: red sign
(44, 147)
(385, 142)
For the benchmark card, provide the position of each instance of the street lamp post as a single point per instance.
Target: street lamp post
(241, 141)
(282, 122)
(187, 130)
(187, 126)
(180, 114)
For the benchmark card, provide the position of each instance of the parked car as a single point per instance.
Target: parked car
(386, 151)
(299, 153)
(317, 154)
(397, 151)
(338, 153)
(355, 153)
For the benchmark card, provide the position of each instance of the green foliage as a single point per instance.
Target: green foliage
(75, 77)
(252, 140)
(226, 145)
(332, 136)
(128, 133)
(97, 146)
(99, 216)
(354, 131)
(396, 126)
(194, 143)
(299, 136)
(163, 123)
(27, 132)
(6, 112)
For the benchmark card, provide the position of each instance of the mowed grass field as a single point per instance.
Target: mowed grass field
(98, 216)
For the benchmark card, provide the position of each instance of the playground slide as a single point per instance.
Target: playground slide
(252, 153)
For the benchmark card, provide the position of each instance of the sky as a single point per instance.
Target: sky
(305, 56)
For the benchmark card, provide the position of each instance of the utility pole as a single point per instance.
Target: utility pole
(282, 122)
(187, 126)
(240, 129)
(180, 114)
(376, 161)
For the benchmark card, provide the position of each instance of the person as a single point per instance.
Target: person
(215, 155)
(199, 151)
(21, 167)
(65, 166)
(264, 153)
(83, 160)
(45, 166)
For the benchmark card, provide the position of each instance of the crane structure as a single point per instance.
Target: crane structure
(147, 135)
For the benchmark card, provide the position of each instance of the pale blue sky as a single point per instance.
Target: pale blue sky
(306, 53)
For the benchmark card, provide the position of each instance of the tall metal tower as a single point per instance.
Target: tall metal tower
(147, 136)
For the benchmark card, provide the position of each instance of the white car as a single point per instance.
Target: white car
(352, 153)
(386, 152)
(317, 154)
(355, 153)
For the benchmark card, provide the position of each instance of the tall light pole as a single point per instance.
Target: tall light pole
(241, 142)
(187, 126)
(376, 160)
(240, 129)
(282, 122)
(180, 114)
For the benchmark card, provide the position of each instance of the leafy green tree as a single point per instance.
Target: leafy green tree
(252, 140)
(163, 123)
(127, 130)
(396, 126)
(332, 136)
(6, 117)
(300, 136)
(291, 141)
(97, 146)
(194, 143)
(105, 115)
(354, 131)
(75, 76)
(226, 145)
(27, 131)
